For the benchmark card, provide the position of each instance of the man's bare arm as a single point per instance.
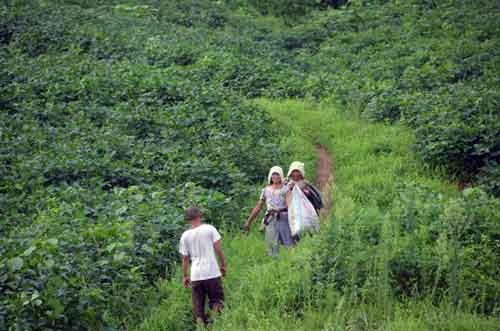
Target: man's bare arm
(220, 255)
(185, 270)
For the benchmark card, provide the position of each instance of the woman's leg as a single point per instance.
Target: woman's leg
(284, 232)
(272, 239)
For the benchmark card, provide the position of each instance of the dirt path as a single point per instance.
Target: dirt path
(324, 179)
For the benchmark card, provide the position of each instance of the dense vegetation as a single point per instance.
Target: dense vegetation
(403, 250)
(432, 64)
(104, 141)
(114, 115)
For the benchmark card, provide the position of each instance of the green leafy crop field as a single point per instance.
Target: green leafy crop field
(116, 115)
(102, 148)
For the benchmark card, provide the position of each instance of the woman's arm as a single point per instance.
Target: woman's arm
(253, 215)
(289, 189)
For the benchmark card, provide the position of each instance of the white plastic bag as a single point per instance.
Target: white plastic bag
(302, 216)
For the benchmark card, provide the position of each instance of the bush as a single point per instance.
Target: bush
(392, 61)
(429, 247)
(108, 136)
(459, 130)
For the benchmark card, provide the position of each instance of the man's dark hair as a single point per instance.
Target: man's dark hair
(192, 213)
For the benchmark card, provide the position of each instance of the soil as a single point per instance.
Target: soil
(324, 179)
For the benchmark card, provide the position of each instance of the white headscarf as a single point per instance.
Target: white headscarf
(277, 170)
(296, 165)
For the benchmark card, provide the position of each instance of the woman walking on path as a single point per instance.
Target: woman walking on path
(303, 201)
(295, 175)
(276, 220)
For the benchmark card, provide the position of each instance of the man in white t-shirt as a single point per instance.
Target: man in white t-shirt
(201, 244)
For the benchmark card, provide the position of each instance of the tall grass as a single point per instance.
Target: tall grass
(335, 280)
(255, 300)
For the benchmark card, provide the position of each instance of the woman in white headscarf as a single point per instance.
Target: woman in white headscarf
(304, 202)
(296, 174)
(276, 219)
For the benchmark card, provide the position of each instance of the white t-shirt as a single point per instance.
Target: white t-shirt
(198, 244)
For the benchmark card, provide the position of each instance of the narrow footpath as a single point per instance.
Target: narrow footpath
(324, 179)
(259, 290)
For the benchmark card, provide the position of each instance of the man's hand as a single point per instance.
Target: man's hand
(223, 270)
(186, 282)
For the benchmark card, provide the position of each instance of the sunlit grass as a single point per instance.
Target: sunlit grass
(370, 161)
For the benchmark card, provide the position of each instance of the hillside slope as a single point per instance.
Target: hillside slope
(116, 115)
(376, 264)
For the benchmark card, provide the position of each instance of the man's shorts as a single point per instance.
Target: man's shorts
(201, 289)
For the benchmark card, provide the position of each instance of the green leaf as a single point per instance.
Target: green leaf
(118, 257)
(111, 247)
(16, 263)
(121, 210)
(56, 305)
(29, 251)
(49, 263)
(35, 295)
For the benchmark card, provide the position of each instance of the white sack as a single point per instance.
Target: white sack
(302, 216)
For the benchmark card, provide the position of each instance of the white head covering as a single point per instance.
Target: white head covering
(296, 165)
(273, 170)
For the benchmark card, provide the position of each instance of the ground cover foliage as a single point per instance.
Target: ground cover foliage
(114, 115)
(402, 250)
(104, 142)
